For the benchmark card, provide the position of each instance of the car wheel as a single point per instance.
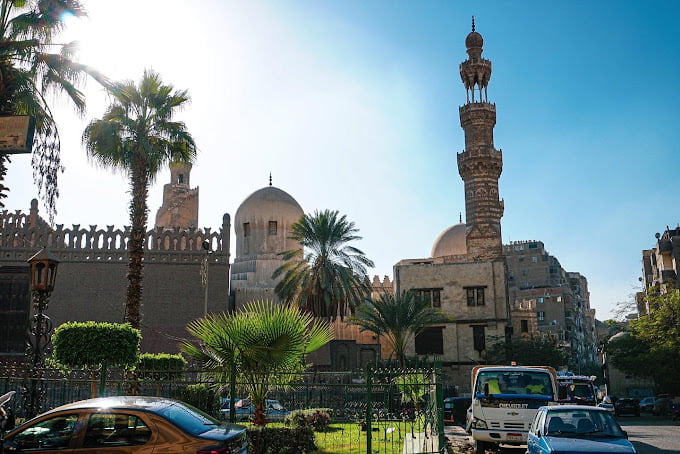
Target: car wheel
(480, 447)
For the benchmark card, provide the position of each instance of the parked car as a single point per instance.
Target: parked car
(576, 429)
(455, 409)
(245, 409)
(127, 424)
(627, 406)
(647, 404)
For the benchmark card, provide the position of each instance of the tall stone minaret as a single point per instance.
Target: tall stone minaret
(480, 164)
(180, 201)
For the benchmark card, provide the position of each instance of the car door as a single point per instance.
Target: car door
(53, 433)
(535, 433)
(117, 432)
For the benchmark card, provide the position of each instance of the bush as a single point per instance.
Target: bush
(280, 440)
(160, 366)
(317, 418)
(201, 396)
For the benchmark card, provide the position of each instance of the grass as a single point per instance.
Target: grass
(348, 438)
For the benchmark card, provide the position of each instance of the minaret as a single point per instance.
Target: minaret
(480, 164)
(180, 201)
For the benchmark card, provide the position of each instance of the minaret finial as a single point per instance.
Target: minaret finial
(460, 217)
(473, 23)
(270, 178)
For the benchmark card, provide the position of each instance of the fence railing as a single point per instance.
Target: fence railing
(375, 410)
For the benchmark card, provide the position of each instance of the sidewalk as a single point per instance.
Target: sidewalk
(458, 439)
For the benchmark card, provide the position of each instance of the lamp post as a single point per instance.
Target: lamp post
(43, 273)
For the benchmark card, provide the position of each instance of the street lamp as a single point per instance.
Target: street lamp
(43, 273)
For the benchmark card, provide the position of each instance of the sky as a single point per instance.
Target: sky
(353, 106)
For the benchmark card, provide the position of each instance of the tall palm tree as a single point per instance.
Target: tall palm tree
(398, 318)
(326, 277)
(137, 135)
(266, 343)
(32, 68)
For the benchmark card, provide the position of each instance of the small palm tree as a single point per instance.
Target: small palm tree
(137, 135)
(326, 277)
(30, 72)
(266, 343)
(398, 318)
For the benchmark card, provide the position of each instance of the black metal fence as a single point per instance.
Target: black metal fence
(375, 410)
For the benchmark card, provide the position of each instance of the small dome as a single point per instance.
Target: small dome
(450, 242)
(474, 40)
(267, 200)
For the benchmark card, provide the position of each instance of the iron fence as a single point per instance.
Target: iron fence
(375, 410)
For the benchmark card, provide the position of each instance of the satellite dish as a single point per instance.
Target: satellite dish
(657, 235)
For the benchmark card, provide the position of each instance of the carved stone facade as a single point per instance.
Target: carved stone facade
(91, 280)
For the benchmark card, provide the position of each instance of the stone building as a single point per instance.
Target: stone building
(465, 275)
(180, 201)
(550, 302)
(262, 225)
(660, 266)
(91, 280)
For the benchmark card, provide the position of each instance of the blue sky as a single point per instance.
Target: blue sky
(353, 105)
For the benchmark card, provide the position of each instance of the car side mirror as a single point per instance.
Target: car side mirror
(561, 392)
(625, 434)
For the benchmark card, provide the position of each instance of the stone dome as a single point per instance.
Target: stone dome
(450, 242)
(474, 40)
(262, 222)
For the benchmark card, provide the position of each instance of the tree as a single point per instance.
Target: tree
(526, 352)
(265, 344)
(137, 135)
(30, 73)
(99, 344)
(328, 280)
(661, 327)
(398, 318)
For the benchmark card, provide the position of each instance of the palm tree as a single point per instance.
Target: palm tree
(328, 280)
(137, 135)
(399, 318)
(266, 344)
(32, 68)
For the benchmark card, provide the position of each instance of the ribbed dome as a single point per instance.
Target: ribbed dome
(450, 242)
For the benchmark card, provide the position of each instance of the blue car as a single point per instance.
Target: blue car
(575, 429)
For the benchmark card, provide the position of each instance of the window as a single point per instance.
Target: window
(431, 295)
(430, 341)
(524, 326)
(246, 229)
(115, 429)
(272, 227)
(559, 299)
(534, 259)
(533, 246)
(47, 435)
(479, 337)
(474, 296)
(180, 178)
(541, 315)
(539, 299)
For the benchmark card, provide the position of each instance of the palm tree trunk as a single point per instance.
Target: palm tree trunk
(138, 218)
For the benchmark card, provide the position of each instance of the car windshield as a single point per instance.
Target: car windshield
(190, 419)
(578, 422)
(514, 382)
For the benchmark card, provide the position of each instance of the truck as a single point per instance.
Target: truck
(577, 389)
(505, 400)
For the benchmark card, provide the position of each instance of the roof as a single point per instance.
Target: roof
(147, 403)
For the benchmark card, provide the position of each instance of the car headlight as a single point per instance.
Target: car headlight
(479, 424)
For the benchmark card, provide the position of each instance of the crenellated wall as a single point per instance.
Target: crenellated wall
(92, 276)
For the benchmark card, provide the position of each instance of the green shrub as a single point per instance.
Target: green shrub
(78, 344)
(317, 418)
(280, 440)
(160, 366)
(201, 396)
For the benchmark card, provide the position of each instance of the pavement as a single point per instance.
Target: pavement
(457, 438)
